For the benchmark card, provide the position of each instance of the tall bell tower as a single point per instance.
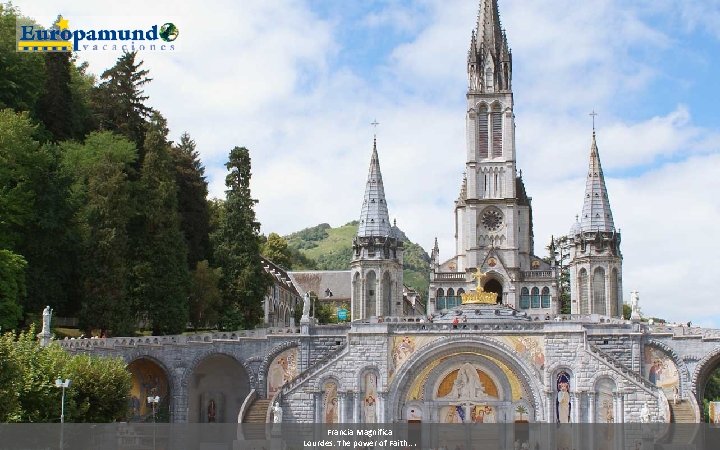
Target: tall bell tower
(595, 260)
(377, 263)
(493, 213)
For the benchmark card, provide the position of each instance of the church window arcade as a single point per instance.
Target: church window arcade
(535, 298)
(449, 301)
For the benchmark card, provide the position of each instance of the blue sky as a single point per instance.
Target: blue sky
(298, 82)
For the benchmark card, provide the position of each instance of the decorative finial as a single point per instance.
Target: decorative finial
(593, 114)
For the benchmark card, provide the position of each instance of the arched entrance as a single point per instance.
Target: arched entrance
(495, 286)
(468, 381)
(217, 387)
(149, 379)
(707, 385)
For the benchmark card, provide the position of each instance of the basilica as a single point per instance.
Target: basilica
(488, 345)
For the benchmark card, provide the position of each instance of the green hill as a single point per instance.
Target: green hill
(330, 248)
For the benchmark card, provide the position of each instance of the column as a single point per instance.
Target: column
(317, 397)
(381, 416)
(356, 407)
(341, 405)
(591, 406)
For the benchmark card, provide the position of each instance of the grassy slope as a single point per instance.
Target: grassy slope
(331, 249)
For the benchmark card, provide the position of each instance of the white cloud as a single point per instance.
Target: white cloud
(257, 74)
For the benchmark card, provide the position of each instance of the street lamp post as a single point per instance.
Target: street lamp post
(154, 400)
(63, 385)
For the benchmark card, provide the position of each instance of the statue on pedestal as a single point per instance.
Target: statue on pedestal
(635, 305)
(277, 413)
(306, 307)
(46, 316)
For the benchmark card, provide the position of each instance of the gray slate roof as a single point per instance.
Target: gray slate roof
(338, 281)
(374, 217)
(596, 213)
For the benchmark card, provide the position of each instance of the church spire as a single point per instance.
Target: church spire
(596, 213)
(489, 57)
(374, 217)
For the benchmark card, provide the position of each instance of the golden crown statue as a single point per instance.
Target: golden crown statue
(479, 296)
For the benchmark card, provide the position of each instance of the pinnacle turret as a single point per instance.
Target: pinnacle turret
(374, 217)
(596, 213)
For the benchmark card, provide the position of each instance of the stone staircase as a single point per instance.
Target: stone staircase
(683, 414)
(254, 427)
(619, 366)
(257, 412)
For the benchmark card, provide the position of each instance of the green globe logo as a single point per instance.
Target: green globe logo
(169, 32)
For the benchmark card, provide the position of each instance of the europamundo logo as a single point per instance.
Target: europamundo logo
(61, 38)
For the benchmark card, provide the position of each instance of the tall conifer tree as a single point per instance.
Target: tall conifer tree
(160, 272)
(192, 199)
(244, 282)
(119, 100)
(55, 105)
(103, 191)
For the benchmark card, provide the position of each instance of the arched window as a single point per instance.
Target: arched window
(483, 132)
(545, 297)
(535, 297)
(356, 297)
(387, 293)
(614, 294)
(605, 401)
(524, 298)
(370, 296)
(451, 301)
(583, 291)
(440, 299)
(497, 132)
(598, 285)
(330, 407)
(370, 396)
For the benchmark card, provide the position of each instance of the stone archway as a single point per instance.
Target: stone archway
(149, 379)
(495, 286)
(704, 370)
(217, 387)
(416, 385)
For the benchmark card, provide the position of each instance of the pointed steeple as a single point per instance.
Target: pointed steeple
(374, 217)
(596, 213)
(489, 57)
(489, 32)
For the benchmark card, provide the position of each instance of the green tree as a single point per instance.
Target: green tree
(627, 311)
(243, 282)
(55, 105)
(160, 273)
(192, 199)
(103, 193)
(205, 296)
(323, 312)
(216, 209)
(12, 288)
(36, 219)
(276, 249)
(119, 101)
(22, 75)
(98, 391)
